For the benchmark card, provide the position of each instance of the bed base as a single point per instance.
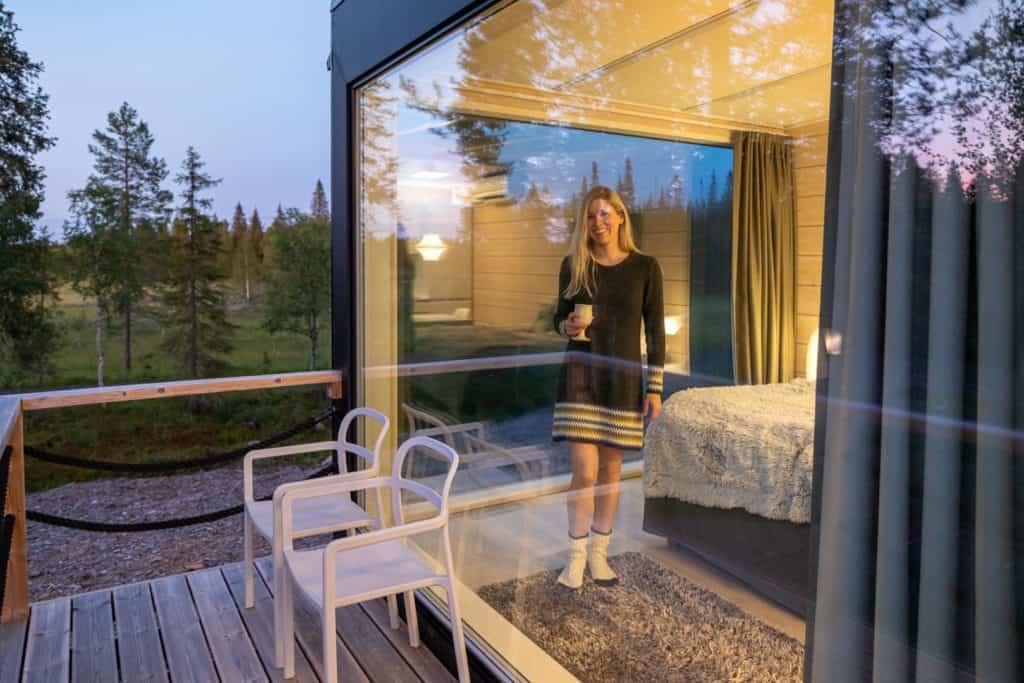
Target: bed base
(771, 556)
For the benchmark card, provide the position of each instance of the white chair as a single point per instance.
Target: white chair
(373, 564)
(470, 441)
(330, 510)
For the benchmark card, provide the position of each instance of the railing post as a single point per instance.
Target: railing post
(336, 394)
(15, 606)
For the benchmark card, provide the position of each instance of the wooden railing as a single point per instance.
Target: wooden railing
(12, 434)
(16, 604)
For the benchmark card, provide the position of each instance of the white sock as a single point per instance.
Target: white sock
(597, 559)
(572, 575)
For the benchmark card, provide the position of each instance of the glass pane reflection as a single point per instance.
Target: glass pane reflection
(474, 156)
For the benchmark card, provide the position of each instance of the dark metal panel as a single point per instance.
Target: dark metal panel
(343, 302)
(366, 33)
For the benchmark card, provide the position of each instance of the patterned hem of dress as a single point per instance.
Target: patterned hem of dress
(589, 423)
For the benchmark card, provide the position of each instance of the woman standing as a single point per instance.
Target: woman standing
(602, 397)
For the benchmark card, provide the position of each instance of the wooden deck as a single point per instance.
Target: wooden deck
(194, 627)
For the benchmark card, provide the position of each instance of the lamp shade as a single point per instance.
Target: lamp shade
(431, 247)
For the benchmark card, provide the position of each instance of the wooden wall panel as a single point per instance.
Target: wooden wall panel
(515, 267)
(809, 157)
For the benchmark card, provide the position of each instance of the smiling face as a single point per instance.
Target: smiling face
(603, 223)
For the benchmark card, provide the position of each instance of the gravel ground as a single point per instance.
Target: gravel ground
(67, 561)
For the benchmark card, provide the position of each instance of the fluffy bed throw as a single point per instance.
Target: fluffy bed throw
(746, 447)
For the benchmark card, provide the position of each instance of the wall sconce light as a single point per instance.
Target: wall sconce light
(811, 358)
(673, 323)
(430, 247)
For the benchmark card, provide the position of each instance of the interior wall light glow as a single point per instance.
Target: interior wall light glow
(430, 175)
(431, 247)
(673, 323)
(811, 359)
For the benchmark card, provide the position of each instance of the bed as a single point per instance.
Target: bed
(727, 474)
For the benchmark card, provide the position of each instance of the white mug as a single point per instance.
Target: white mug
(584, 316)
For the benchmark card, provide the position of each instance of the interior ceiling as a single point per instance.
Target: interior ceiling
(764, 62)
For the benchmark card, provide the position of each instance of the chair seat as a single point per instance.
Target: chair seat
(362, 573)
(311, 516)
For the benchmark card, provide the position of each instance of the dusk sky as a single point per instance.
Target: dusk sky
(244, 82)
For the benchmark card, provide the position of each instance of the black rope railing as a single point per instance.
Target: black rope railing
(176, 465)
(205, 461)
(6, 522)
(114, 527)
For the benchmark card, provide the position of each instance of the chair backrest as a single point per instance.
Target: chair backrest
(420, 420)
(346, 446)
(423, 423)
(438, 499)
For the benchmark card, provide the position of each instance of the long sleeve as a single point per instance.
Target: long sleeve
(564, 306)
(654, 328)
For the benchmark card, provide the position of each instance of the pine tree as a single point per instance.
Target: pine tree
(318, 206)
(675, 191)
(256, 255)
(28, 333)
(628, 191)
(196, 326)
(240, 251)
(124, 168)
(279, 221)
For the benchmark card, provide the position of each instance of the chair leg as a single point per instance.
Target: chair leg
(458, 638)
(411, 620)
(250, 598)
(330, 672)
(393, 612)
(280, 642)
(287, 620)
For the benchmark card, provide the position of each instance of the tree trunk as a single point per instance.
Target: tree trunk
(99, 342)
(193, 342)
(245, 271)
(128, 338)
(193, 308)
(313, 334)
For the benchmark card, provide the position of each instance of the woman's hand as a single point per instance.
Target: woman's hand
(652, 406)
(573, 326)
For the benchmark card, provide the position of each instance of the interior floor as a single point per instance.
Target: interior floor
(528, 536)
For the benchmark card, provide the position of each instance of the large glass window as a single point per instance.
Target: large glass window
(708, 120)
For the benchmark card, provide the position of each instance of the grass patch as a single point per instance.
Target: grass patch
(172, 428)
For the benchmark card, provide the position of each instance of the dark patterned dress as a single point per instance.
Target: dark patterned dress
(602, 383)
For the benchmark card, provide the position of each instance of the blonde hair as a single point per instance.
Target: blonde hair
(581, 257)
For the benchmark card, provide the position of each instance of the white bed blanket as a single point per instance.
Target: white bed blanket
(748, 447)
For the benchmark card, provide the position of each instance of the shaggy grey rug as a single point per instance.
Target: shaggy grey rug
(654, 626)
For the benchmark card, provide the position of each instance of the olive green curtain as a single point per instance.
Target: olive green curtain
(763, 259)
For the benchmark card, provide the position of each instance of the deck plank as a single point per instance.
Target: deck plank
(375, 653)
(12, 647)
(421, 659)
(48, 650)
(139, 654)
(188, 655)
(93, 652)
(307, 630)
(260, 622)
(233, 651)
